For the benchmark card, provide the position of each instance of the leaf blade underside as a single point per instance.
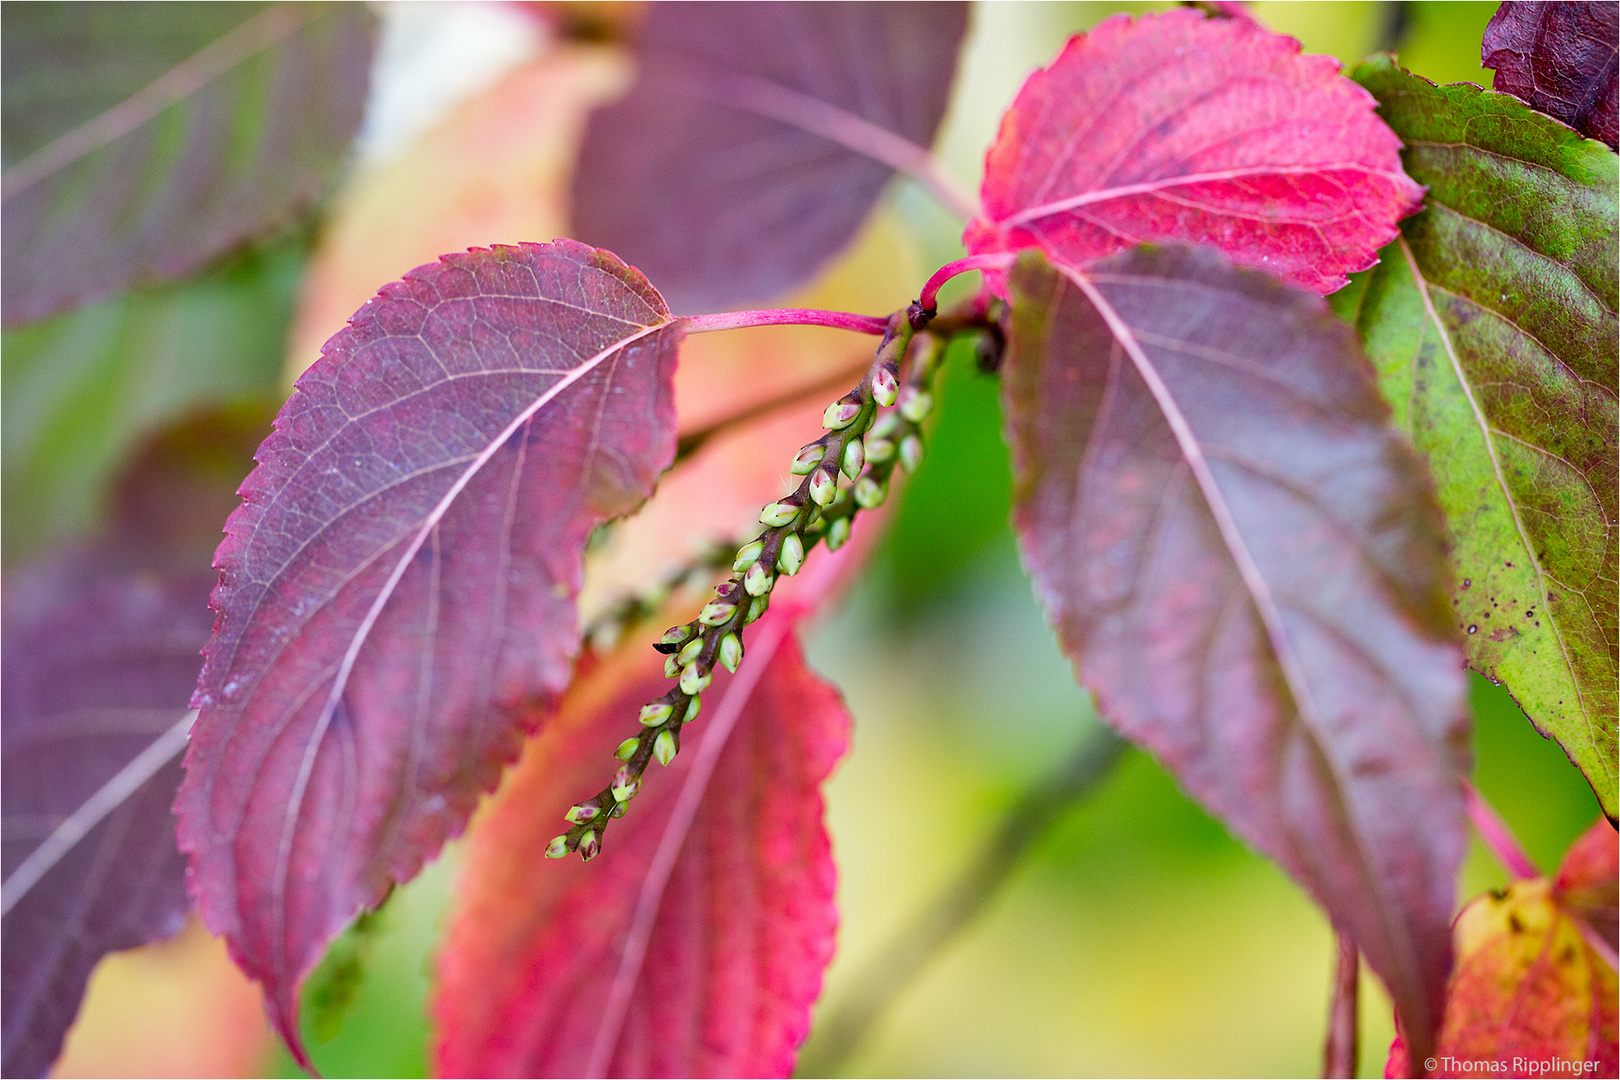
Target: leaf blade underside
(142, 143)
(1245, 567)
(727, 173)
(97, 672)
(1492, 323)
(744, 926)
(1560, 60)
(396, 591)
(1209, 131)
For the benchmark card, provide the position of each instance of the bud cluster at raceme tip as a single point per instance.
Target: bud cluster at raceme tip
(845, 471)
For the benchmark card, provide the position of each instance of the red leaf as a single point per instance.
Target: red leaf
(1560, 59)
(1174, 126)
(1246, 565)
(143, 142)
(396, 591)
(757, 137)
(1534, 991)
(97, 673)
(536, 950)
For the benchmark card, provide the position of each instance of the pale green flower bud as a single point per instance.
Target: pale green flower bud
(625, 786)
(911, 452)
(557, 848)
(580, 813)
(693, 707)
(778, 514)
(807, 458)
(693, 679)
(758, 581)
(791, 556)
(823, 488)
(869, 494)
(656, 713)
(589, 845)
(841, 413)
(677, 634)
(730, 651)
(886, 425)
(915, 404)
(672, 667)
(627, 749)
(664, 747)
(690, 652)
(854, 458)
(885, 385)
(747, 554)
(716, 612)
(837, 533)
(879, 450)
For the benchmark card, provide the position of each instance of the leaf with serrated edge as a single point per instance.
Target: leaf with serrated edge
(1213, 131)
(1246, 567)
(1560, 58)
(396, 591)
(98, 670)
(143, 141)
(737, 165)
(1492, 324)
(744, 925)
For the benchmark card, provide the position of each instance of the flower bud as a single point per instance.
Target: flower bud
(589, 845)
(672, 667)
(716, 612)
(664, 747)
(869, 494)
(756, 608)
(911, 452)
(580, 813)
(745, 556)
(625, 785)
(627, 749)
(730, 651)
(778, 514)
(879, 450)
(617, 811)
(758, 581)
(915, 404)
(694, 679)
(886, 425)
(854, 458)
(885, 385)
(823, 488)
(656, 713)
(673, 637)
(792, 555)
(841, 413)
(693, 707)
(837, 533)
(558, 847)
(688, 654)
(807, 458)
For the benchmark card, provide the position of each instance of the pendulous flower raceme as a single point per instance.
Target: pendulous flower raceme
(870, 431)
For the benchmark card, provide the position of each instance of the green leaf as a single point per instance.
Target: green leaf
(1492, 323)
(81, 389)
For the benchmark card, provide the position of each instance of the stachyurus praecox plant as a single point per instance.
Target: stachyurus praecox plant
(1270, 539)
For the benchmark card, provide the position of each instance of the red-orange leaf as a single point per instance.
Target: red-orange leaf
(1534, 990)
(549, 970)
(1213, 131)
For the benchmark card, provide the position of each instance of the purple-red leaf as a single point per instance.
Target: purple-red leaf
(1559, 58)
(396, 591)
(1212, 131)
(1246, 565)
(757, 137)
(695, 944)
(97, 677)
(141, 141)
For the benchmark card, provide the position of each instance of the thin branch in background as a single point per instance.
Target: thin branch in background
(848, 1022)
(691, 442)
(1343, 1048)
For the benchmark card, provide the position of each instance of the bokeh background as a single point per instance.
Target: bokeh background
(1133, 937)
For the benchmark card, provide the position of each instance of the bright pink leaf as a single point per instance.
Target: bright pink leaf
(534, 979)
(1246, 565)
(1559, 58)
(396, 591)
(1213, 131)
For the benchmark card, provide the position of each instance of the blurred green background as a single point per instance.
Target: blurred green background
(1135, 938)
